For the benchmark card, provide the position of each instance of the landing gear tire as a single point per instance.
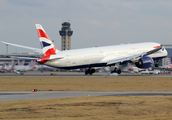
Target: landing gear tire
(90, 71)
(119, 71)
(116, 71)
(156, 65)
(86, 72)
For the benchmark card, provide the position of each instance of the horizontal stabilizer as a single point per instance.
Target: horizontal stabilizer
(49, 58)
(24, 58)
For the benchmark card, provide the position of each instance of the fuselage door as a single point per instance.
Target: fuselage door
(67, 60)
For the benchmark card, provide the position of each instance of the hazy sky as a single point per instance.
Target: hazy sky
(94, 22)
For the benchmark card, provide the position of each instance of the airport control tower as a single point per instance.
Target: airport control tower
(65, 34)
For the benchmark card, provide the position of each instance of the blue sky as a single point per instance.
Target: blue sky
(94, 22)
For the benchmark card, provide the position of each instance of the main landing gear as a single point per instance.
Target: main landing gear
(156, 63)
(90, 71)
(116, 69)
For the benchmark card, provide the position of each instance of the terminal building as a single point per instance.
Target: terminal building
(65, 34)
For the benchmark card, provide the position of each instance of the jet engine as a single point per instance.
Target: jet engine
(144, 62)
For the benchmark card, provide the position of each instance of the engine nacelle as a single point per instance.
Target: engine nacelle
(144, 62)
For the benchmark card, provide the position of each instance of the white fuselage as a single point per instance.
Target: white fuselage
(99, 56)
(21, 68)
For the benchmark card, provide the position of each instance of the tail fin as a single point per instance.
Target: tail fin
(11, 63)
(30, 62)
(22, 63)
(12, 67)
(18, 62)
(3, 66)
(169, 62)
(32, 66)
(46, 43)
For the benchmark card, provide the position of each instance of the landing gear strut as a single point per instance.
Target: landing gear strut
(116, 69)
(89, 71)
(156, 63)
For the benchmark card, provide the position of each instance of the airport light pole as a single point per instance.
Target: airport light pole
(6, 48)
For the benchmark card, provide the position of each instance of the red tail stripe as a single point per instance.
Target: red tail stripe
(44, 59)
(41, 33)
(50, 51)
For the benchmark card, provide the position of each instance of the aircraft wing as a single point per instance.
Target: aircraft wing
(26, 47)
(123, 58)
(127, 58)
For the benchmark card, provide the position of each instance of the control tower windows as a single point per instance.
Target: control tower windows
(65, 34)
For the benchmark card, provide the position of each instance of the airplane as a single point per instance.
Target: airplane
(21, 64)
(11, 67)
(164, 67)
(142, 55)
(22, 69)
(139, 53)
(32, 66)
(150, 72)
(19, 67)
(3, 67)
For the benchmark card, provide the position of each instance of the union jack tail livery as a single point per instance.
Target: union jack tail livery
(46, 43)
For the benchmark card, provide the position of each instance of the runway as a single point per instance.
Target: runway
(28, 95)
(77, 74)
(37, 76)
